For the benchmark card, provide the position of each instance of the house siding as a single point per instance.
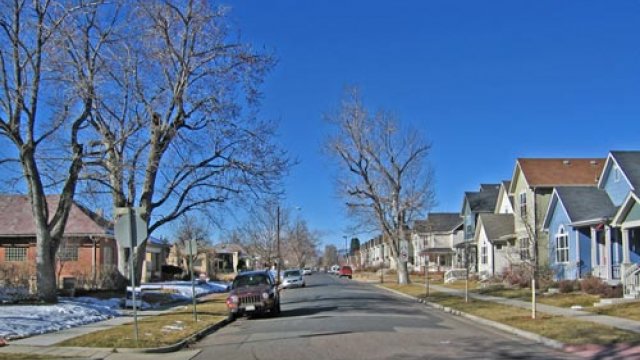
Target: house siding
(559, 218)
(617, 190)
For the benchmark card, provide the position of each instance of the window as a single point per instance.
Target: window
(562, 246)
(484, 256)
(523, 204)
(68, 253)
(525, 253)
(15, 254)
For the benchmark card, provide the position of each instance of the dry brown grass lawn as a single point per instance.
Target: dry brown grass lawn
(563, 329)
(156, 331)
(15, 356)
(628, 311)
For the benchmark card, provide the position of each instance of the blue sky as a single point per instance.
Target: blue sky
(487, 82)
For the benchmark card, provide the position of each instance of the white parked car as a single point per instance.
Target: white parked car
(307, 271)
(292, 279)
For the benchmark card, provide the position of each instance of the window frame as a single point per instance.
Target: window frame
(562, 252)
(68, 252)
(524, 248)
(523, 204)
(16, 253)
(484, 254)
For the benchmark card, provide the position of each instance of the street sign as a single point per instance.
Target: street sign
(130, 228)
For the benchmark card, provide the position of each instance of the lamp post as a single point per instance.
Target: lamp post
(346, 249)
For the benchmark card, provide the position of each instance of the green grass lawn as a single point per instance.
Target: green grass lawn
(563, 329)
(156, 331)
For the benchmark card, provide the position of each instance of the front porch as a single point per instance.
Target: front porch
(628, 220)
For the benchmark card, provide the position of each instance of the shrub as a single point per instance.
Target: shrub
(517, 276)
(596, 286)
(567, 286)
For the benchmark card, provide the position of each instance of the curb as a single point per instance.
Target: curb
(506, 328)
(179, 345)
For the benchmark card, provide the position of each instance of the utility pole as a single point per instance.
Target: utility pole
(278, 240)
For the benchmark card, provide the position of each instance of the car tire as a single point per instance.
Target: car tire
(232, 316)
(350, 277)
(304, 285)
(276, 309)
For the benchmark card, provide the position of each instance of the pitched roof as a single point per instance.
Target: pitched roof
(629, 162)
(558, 172)
(497, 226)
(484, 200)
(16, 218)
(228, 248)
(585, 203)
(438, 222)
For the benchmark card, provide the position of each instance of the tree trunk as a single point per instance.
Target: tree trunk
(45, 265)
(403, 272)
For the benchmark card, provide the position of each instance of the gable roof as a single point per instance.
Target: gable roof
(559, 172)
(629, 164)
(497, 226)
(228, 248)
(503, 193)
(484, 200)
(16, 218)
(438, 222)
(582, 204)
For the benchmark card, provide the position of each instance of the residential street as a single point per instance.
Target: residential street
(341, 319)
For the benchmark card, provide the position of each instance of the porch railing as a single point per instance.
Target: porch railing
(600, 271)
(631, 280)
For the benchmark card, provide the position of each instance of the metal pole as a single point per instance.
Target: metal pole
(132, 254)
(193, 286)
(426, 274)
(278, 239)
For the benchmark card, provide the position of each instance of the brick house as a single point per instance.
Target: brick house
(87, 256)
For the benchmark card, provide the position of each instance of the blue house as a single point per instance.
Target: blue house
(574, 221)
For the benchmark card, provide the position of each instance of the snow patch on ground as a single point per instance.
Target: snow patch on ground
(18, 321)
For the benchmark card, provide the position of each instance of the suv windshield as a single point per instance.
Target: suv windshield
(291, 273)
(250, 280)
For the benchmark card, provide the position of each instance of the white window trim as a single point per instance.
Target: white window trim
(562, 233)
(616, 174)
(526, 205)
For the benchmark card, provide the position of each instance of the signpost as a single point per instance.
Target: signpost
(130, 230)
(193, 246)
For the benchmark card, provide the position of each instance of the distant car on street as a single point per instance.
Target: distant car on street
(345, 271)
(307, 271)
(253, 292)
(292, 279)
(334, 269)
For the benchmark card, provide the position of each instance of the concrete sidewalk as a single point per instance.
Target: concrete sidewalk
(620, 323)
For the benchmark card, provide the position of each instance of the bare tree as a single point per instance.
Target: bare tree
(300, 243)
(330, 255)
(384, 174)
(174, 135)
(258, 233)
(46, 96)
(191, 228)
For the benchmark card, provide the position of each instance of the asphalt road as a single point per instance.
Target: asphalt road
(341, 319)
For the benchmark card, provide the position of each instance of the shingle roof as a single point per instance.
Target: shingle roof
(585, 203)
(16, 218)
(629, 162)
(554, 172)
(438, 222)
(497, 225)
(228, 248)
(483, 201)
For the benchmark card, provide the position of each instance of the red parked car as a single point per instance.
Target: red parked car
(345, 271)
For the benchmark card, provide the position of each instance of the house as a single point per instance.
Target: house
(231, 258)
(620, 247)
(433, 240)
(531, 186)
(495, 238)
(87, 256)
(504, 203)
(156, 256)
(473, 204)
(574, 222)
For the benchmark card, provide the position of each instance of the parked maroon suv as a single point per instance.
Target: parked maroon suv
(253, 292)
(345, 271)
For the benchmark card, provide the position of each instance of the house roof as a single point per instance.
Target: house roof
(585, 203)
(558, 172)
(228, 248)
(629, 162)
(484, 200)
(497, 226)
(438, 222)
(16, 218)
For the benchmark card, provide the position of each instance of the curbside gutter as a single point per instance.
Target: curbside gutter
(503, 327)
(179, 345)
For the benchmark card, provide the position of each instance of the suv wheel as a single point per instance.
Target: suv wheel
(232, 316)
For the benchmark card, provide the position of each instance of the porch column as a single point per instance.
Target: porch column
(578, 267)
(608, 263)
(594, 247)
(625, 246)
